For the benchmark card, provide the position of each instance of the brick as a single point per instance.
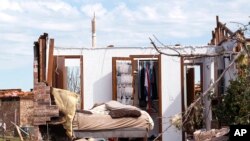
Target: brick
(42, 102)
(46, 113)
(39, 122)
(41, 119)
(52, 107)
(46, 107)
(47, 89)
(42, 96)
(39, 91)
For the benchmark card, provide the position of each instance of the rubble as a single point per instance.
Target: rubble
(211, 135)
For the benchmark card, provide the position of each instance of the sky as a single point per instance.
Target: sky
(119, 23)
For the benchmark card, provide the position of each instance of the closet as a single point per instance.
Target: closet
(136, 81)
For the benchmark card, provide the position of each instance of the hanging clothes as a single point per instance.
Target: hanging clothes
(153, 83)
(148, 86)
(143, 92)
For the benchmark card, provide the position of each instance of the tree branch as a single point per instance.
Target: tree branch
(165, 45)
(186, 114)
(194, 56)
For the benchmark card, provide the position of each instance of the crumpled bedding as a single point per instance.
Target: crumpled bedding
(97, 118)
(66, 102)
(101, 120)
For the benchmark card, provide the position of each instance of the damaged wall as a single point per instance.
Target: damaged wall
(26, 111)
(97, 68)
(9, 112)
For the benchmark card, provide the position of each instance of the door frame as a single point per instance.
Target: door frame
(159, 83)
(64, 71)
(114, 79)
(182, 65)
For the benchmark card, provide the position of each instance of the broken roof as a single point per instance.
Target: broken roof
(7, 93)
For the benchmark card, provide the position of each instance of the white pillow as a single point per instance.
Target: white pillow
(101, 109)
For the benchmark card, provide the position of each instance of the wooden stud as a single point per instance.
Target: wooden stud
(50, 63)
(40, 62)
(44, 48)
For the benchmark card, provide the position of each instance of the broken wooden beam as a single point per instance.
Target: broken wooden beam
(50, 62)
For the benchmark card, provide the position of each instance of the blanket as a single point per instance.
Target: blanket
(66, 102)
(101, 117)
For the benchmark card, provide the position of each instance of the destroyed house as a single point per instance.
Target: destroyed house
(163, 80)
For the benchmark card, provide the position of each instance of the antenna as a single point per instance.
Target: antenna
(93, 31)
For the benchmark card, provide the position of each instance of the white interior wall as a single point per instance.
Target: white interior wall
(171, 95)
(72, 62)
(97, 69)
(98, 79)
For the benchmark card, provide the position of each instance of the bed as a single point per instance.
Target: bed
(110, 119)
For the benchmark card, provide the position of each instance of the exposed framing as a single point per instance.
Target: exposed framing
(50, 63)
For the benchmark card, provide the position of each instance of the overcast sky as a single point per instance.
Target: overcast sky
(120, 23)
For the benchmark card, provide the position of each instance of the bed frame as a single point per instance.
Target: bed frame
(115, 133)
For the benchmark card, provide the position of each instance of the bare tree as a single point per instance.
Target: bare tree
(73, 79)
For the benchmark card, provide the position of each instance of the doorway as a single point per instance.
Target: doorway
(146, 84)
(68, 75)
(192, 88)
(193, 83)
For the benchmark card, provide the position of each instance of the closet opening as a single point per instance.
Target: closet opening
(146, 84)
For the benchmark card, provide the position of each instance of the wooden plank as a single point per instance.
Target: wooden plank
(44, 48)
(19, 132)
(40, 58)
(114, 84)
(50, 63)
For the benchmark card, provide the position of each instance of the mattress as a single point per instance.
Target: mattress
(94, 122)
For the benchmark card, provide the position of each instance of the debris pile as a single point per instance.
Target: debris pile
(211, 135)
